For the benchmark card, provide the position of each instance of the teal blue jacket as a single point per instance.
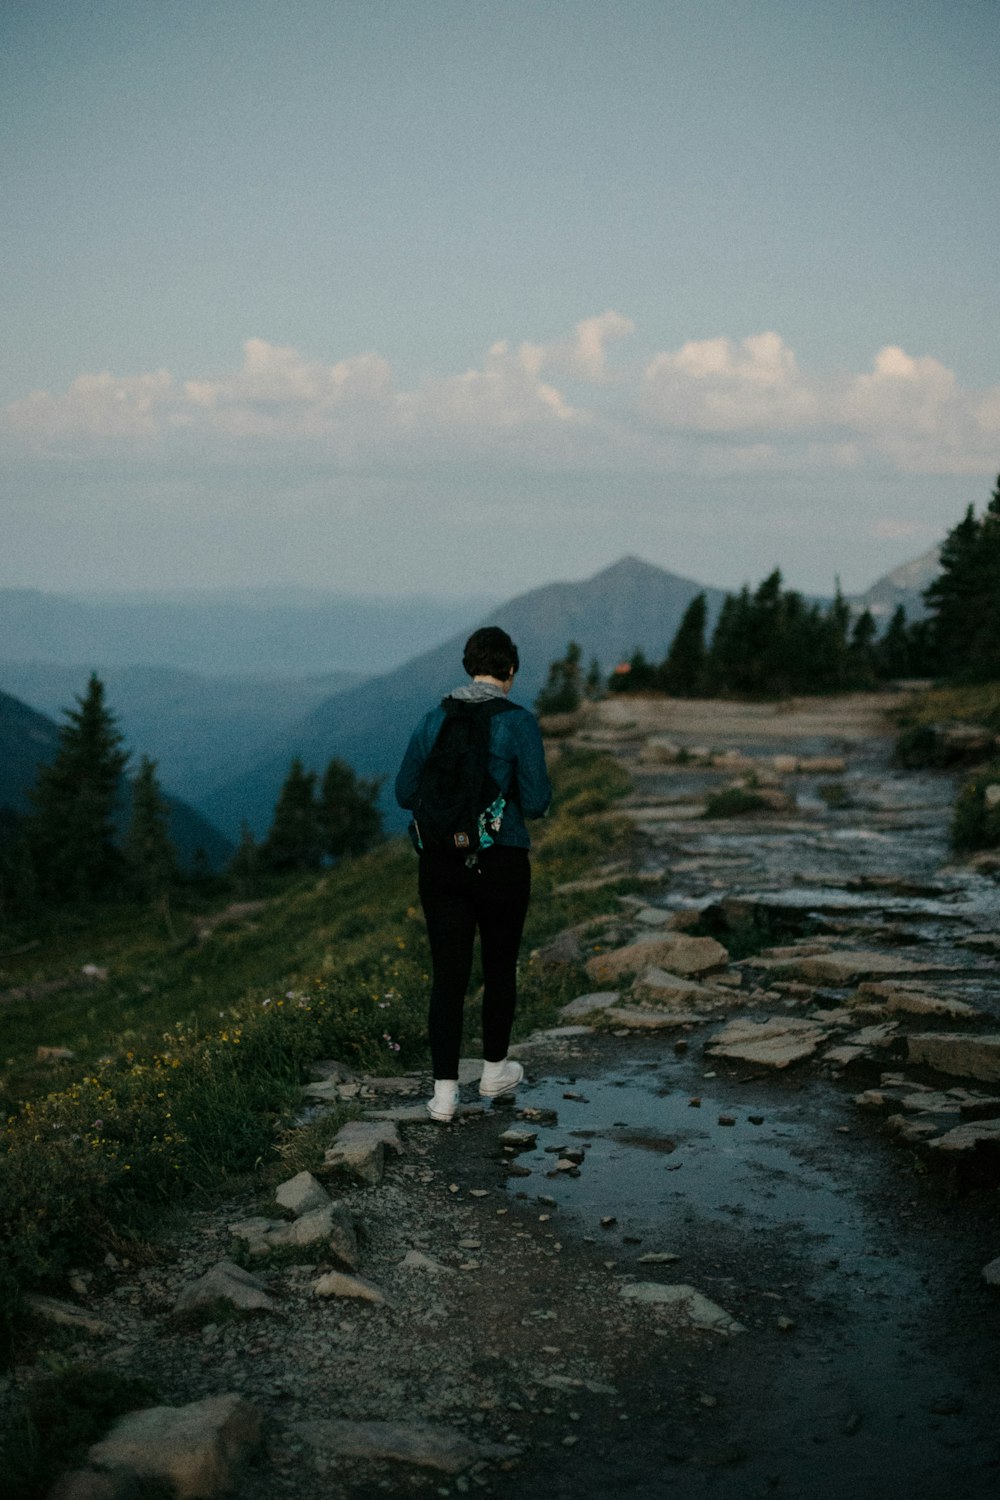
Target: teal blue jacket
(516, 763)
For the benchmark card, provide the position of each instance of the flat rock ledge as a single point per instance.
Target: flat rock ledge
(772, 1044)
(843, 967)
(688, 1305)
(418, 1444)
(960, 1054)
(196, 1448)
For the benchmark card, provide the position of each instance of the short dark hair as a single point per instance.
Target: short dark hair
(490, 652)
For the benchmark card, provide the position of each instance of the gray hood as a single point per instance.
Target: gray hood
(476, 692)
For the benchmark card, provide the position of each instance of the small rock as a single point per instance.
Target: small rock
(337, 1284)
(225, 1282)
(416, 1260)
(991, 1273)
(690, 1306)
(588, 1005)
(359, 1150)
(68, 1315)
(301, 1194)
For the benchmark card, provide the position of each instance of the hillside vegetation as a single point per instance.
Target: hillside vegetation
(190, 1056)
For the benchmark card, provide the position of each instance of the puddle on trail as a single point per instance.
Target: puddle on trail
(663, 1167)
(876, 1386)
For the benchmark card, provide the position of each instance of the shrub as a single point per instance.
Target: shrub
(733, 802)
(976, 819)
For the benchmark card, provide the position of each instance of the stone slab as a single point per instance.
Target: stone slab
(775, 1043)
(419, 1444)
(961, 1054)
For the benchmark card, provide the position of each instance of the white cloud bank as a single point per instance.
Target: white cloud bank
(712, 406)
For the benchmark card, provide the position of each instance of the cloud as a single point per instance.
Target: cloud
(714, 406)
(716, 385)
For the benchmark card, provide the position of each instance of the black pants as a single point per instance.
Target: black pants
(456, 900)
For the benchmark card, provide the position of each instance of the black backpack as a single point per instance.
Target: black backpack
(458, 805)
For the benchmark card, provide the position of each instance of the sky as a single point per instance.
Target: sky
(461, 296)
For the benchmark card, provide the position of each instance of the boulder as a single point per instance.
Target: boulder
(676, 951)
(301, 1194)
(196, 1448)
(229, 1283)
(688, 1305)
(773, 1044)
(958, 1053)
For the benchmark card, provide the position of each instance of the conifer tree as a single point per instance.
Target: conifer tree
(348, 813)
(861, 663)
(683, 671)
(293, 842)
(561, 693)
(952, 597)
(593, 686)
(149, 853)
(70, 832)
(894, 652)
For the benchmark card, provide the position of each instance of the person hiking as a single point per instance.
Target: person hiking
(474, 869)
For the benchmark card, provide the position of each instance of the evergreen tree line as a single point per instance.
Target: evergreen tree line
(771, 641)
(67, 849)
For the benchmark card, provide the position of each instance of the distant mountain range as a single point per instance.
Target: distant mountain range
(904, 585)
(225, 741)
(29, 739)
(240, 632)
(201, 731)
(630, 604)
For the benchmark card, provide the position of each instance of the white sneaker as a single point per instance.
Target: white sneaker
(500, 1078)
(442, 1106)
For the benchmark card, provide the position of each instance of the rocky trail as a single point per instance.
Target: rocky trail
(737, 1236)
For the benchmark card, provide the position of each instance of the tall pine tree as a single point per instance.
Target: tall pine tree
(293, 842)
(348, 811)
(683, 671)
(149, 853)
(70, 831)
